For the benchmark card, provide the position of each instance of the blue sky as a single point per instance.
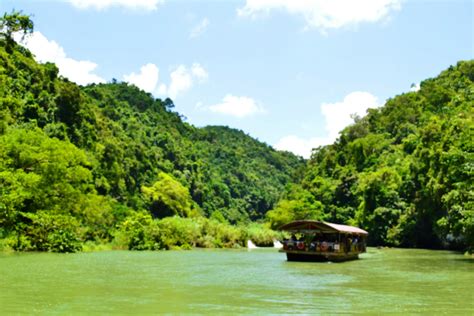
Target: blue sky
(289, 73)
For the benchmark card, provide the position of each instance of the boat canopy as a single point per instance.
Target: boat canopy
(322, 227)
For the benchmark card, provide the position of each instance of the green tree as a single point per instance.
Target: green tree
(15, 22)
(298, 204)
(168, 197)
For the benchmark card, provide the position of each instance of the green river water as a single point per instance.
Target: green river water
(260, 281)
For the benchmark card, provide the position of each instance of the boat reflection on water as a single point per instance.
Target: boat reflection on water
(323, 241)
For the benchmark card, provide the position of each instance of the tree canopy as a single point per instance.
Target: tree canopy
(15, 23)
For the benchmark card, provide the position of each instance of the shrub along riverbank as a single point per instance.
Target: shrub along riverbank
(138, 231)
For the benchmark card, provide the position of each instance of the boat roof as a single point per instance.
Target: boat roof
(323, 227)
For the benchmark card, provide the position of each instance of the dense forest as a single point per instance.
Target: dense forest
(404, 172)
(108, 164)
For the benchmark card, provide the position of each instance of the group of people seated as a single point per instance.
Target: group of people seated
(324, 243)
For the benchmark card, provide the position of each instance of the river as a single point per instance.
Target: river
(260, 281)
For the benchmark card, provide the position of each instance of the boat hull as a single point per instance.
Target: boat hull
(320, 257)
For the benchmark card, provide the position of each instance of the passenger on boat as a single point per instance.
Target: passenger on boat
(355, 244)
(324, 246)
(331, 246)
(347, 245)
(300, 245)
(290, 244)
(314, 243)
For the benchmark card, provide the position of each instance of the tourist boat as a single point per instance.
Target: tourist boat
(323, 241)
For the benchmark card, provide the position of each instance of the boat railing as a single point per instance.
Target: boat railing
(322, 246)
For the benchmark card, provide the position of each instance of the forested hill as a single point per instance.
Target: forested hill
(404, 171)
(225, 170)
(110, 163)
(90, 156)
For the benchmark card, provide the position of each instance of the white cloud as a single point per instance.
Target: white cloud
(162, 89)
(325, 14)
(236, 106)
(148, 5)
(79, 71)
(336, 116)
(200, 28)
(181, 79)
(199, 105)
(147, 79)
(199, 72)
(300, 146)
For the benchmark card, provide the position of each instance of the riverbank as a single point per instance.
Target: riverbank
(140, 231)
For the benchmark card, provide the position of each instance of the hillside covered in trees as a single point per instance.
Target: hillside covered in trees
(404, 172)
(111, 164)
(78, 163)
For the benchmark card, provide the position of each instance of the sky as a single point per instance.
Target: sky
(288, 72)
